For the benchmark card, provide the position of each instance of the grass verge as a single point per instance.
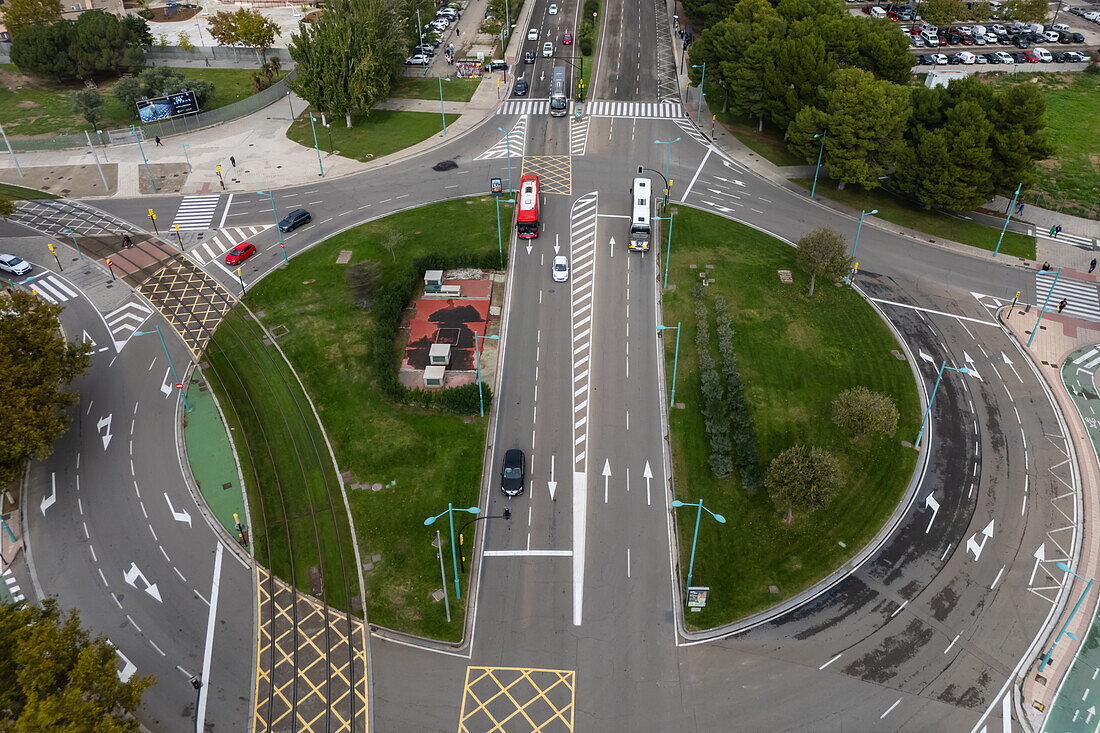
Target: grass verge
(433, 457)
(31, 106)
(767, 143)
(284, 459)
(18, 193)
(795, 355)
(588, 62)
(455, 90)
(905, 213)
(382, 133)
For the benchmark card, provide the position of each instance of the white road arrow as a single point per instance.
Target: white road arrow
(104, 425)
(972, 543)
(930, 501)
(49, 501)
(133, 574)
(88, 339)
(1091, 712)
(647, 475)
(970, 365)
(180, 516)
(734, 181)
(611, 243)
(167, 384)
(1005, 357)
(606, 477)
(927, 358)
(128, 667)
(713, 205)
(528, 248)
(1040, 556)
(552, 483)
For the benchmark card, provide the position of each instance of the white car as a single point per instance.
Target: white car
(548, 49)
(553, 10)
(14, 265)
(998, 29)
(418, 59)
(560, 269)
(533, 34)
(1004, 58)
(1051, 36)
(980, 59)
(939, 58)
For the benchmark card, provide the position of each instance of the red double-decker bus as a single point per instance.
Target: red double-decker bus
(527, 215)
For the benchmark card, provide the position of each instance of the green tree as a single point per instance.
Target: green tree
(793, 77)
(1020, 137)
(863, 412)
(939, 12)
(185, 41)
(162, 41)
(883, 50)
(21, 14)
(1028, 11)
(138, 28)
(823, 252)
(36, 365)
(88, 104)
(56, 677)
(254, 30)
(222, 27)
(803, 478)
(102, 45)
(7, 208)
(43, 50)
(127, 91)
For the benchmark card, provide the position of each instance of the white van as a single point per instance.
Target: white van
(930, 38)
(877, 12)
(1043, 54)
(978, 30)
(1035, 28)
(966, 57)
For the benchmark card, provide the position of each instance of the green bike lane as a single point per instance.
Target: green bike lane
(1078, 700)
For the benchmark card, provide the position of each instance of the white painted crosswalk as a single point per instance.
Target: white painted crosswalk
(13, 586)
(657, 110)
(524, 107)
(1065, 237)
(578, 135)
(125, 320)
(196, 213)
(223, 240)
(1081, 298)
(53, 289)
(512, 144)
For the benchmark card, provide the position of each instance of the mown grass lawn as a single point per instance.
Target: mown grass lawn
(903, 212)
(31, 106)
(795, 355)
(434, 457)
(381, 133)
(455, 90)
(18, 193)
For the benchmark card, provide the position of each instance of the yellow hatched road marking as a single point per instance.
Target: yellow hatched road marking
(554, 688)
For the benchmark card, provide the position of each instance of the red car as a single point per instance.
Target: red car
(239, 254)
(1031, 58)
(567, 39)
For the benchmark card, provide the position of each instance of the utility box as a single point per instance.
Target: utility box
(433, 376)
(439, 354)
(433, 281)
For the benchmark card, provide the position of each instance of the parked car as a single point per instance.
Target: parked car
(294, 219)
(925, 59)
(511, 473)
(993, 58)
(979, 40)
(1018, 57)
(1004, 58)
(954, 59)
(991, 39)
(1059, 57)
(240, 253)
(14, 265)
(939, 58)
(521, 88)
(1043, 55)
(498, 65)
(998, 29)
(532, 34)
(1030, 57)
(1077, 38)
(1075, 57)
(424, 49)
(1020, 42)
(917, 41)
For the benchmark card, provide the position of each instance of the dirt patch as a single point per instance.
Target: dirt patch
(178, 15)
(26, 104)
(15, 80)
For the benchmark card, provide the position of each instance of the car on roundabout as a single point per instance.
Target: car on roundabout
(240, 253)
(14, 265)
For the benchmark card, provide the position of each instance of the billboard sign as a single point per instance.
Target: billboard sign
(162, 108)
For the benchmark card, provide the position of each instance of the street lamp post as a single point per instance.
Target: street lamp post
(668, 247)
(137, 136)
(675, 360)
(70, 233)
(1046, 657)
(872, 212)
(444, 114)
(11, 152)
(820, 152)
(313, 126)
(282, 244)
(701, 92)
(1043, 310)
(187, 157)
(927, 410)
(477, 357)
(156, 330)
(1007, 218)
(668, 156)
(508, 147)
(454, 554)
(675, 504)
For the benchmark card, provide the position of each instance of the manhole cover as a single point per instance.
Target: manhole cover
(446, 165)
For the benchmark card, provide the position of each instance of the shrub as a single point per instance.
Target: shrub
(586, 45)
(861, 411)
(803, 478)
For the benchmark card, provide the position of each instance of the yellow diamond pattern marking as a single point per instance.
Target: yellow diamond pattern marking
(517, 700)
(190, 300)
(290, 665)
(555, 172)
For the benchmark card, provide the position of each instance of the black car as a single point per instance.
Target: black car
(992, 58)
(1058, 57)
(520, 89)
(1076, 38)
(1020, 41)
(426, 50)
(498, 65)
(294, 219)
(511, 474)
(925, 60)
(954, 59)
(1018, 57)
(529, 57)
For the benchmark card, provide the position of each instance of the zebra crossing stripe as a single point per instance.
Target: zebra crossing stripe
(643, 110)
(1086, 356)
(578, 135)
(524, 107)
(196, 212)
(1082, 300)
(51, 289)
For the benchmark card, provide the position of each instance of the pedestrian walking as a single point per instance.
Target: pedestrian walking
(1052, 231)
(1020, 209)
(1046, 267)
(1057, 231)
(1062, 305)
(233, 161)
(126, 241)
(1092, 265)
(158, 142)
(458, 32)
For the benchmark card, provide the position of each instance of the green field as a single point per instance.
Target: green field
(795, 355)
(902, 212)
(455, 90)
(434, 457)
(291, 482)
(381, 133)
(31, 106)
(18, 193)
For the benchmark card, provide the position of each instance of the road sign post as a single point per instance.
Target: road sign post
(153, 218)
(178, 237)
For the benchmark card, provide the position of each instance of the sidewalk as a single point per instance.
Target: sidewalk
(1056, 340)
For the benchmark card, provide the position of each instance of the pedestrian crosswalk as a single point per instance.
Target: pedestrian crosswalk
(660, 110)
(196, 213)
(1089, 360)
(578, 135)
(524, 107)
(52, 288)
(13, 587)
(1074, 239)
(511, 144)
(223, 240)
(125, 320)
(1081, 298)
